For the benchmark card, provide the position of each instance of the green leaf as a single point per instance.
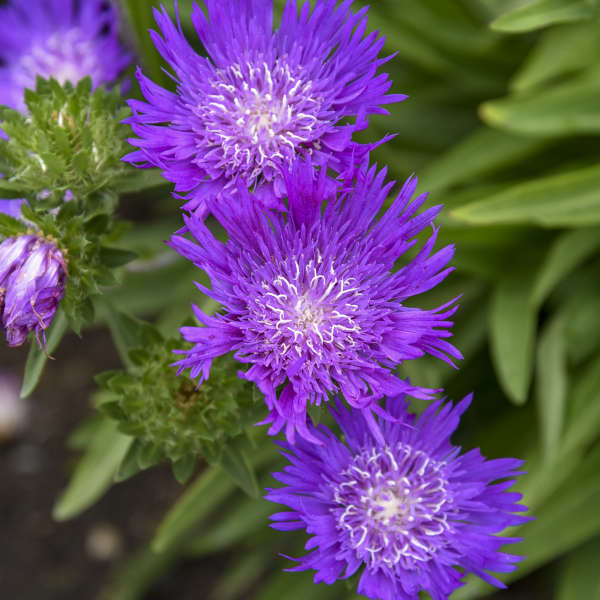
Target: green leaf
(482, 152)
(235, 463)
(183, 469)
(128, 332)
(139, 180)
(248, 517)
(37, 357)
(569, 199)
(204, 495)
(94, 473)
(584, 408)
(9, 226)
(542, 14)
(116, 257)
(561, 51)
(552, 386)
(513, 321)
(129, 465)
(565, 109)
(579, 578)
(568, 251)
(10, 190)
(139, 14)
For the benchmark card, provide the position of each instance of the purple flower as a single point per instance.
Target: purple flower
(411, 510)
(33, 274)
(64, 39)
(312, 300)
(260, 98)
(12, 208)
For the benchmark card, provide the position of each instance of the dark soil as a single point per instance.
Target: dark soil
(42, 559)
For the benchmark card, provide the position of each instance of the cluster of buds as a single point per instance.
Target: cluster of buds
(33, 273)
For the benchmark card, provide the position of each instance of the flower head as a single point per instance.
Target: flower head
(63, 39)
(410, 510)
(32, 282)
(260, 98)
(312, 300)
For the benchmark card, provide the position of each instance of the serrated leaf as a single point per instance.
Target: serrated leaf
(551, 386)
(512, 335)
(37, 357)
(9, 226)
(542, 14)
(569, 250)
(569, 199)
(94, 473)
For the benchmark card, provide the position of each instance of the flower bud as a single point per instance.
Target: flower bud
(33, 274)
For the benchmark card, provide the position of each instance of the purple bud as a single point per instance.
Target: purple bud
(33, 274)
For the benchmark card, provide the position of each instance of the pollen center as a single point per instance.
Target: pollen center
(257, 117)
(306, 311)
(393, 506)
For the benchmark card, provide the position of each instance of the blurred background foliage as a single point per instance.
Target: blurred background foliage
(503, 128)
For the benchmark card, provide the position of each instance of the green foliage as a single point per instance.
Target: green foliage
(503, 129)
(70, 139)
(170, 416)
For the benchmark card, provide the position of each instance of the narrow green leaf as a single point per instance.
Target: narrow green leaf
(141, 19)
(584, 408)
(116, 257)
(565, 109)
(94, 473)
(37, 357)
(203, 496)
(235, 463)
(542, 14)
(551, 386)
(140, 180)
(250, 516)
(561, 51)
(512, 335)
(579, 579)
(568, 251)
(482, 152)
(569, 199)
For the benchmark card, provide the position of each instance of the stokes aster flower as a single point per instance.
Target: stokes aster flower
(310, 298)
(32, 282)
(64, 39)
(411, 510)
(260, 98)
